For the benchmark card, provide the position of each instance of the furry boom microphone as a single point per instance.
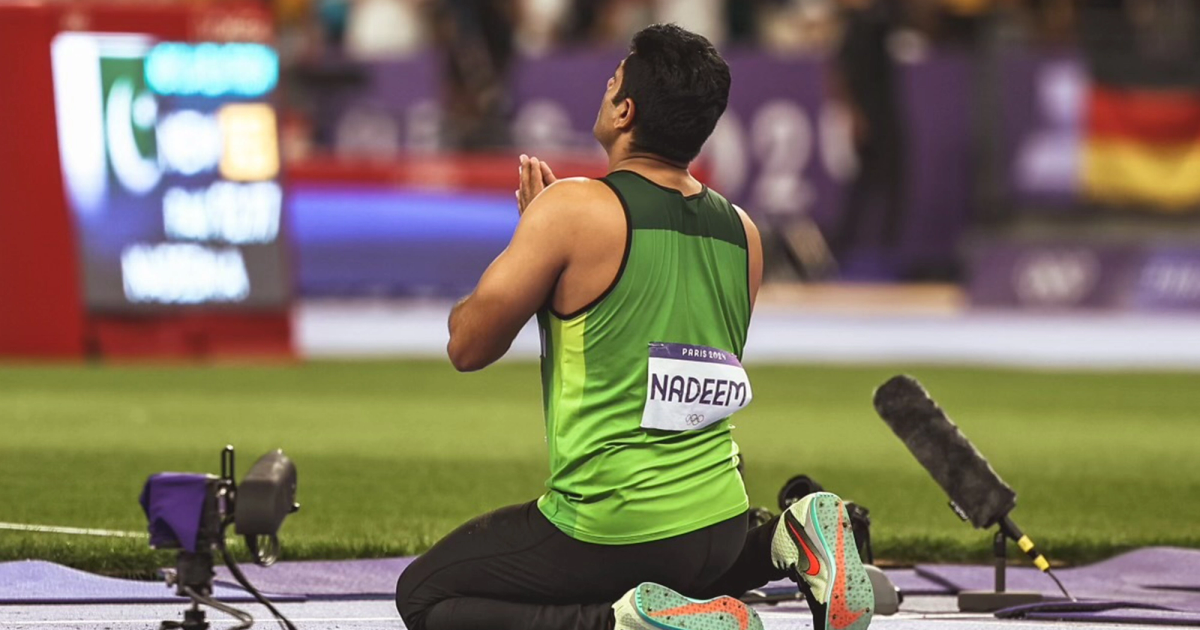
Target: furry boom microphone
(976, 492)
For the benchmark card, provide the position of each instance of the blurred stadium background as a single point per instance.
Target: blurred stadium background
(269, 207)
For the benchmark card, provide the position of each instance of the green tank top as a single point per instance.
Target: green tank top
(684, 280)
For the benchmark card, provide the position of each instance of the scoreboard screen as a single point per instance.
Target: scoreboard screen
(170, 161)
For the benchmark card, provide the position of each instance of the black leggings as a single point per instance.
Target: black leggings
(514, 570)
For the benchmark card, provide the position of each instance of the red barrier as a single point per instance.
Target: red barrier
(205, 334)
(41, 309)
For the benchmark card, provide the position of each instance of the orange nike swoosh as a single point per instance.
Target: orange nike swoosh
(722, 605)
(814, 565)
(840, 615)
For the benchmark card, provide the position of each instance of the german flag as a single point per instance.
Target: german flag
(1143, 147)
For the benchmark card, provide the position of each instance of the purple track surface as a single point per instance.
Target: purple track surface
(36, 582)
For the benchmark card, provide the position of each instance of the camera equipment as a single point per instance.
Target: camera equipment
(977, 494)
(797, 488)
(760, 516)
(190, 512)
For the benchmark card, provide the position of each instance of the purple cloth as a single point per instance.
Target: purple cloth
(912, 583)
(371, 579)
(1165, 576)
(30, 582)
(1125, 615)
(327, 579)
(1160, 575)
(1102, 612)
(173, 503)
(1061, 607)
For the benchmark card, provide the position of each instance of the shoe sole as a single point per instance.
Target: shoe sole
(848, 597)
(663, 608)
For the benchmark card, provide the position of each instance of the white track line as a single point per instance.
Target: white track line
(74, 531)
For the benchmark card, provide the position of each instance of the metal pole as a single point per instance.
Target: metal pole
(1000, 547)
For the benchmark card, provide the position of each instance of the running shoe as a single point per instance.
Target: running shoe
(655, 607)
(814, 543)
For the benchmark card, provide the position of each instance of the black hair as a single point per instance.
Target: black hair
(679, 85)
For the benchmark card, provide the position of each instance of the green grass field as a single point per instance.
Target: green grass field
(392, 455)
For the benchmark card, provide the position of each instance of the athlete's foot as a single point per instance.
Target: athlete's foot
(655, 607)
(814, 544)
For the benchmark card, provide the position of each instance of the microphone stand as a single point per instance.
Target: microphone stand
(1000, 597)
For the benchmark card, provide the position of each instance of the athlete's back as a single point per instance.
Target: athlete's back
(638, 384)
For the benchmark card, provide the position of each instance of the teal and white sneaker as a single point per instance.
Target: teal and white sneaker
(656, 607)
(814, 543)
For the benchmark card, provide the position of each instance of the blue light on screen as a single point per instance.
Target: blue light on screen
(212, 70)
(354, 241)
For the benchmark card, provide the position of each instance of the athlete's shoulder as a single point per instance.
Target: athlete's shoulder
(575, 196)
(576, 207)
(578, 192)
(577, 186)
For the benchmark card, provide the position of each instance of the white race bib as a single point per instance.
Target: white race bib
(692, 387)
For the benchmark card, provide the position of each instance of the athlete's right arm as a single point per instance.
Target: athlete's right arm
(518, 283)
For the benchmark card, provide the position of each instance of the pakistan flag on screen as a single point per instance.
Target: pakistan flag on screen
(130, 114)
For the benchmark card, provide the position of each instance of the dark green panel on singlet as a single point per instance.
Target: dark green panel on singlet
(693, 218)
